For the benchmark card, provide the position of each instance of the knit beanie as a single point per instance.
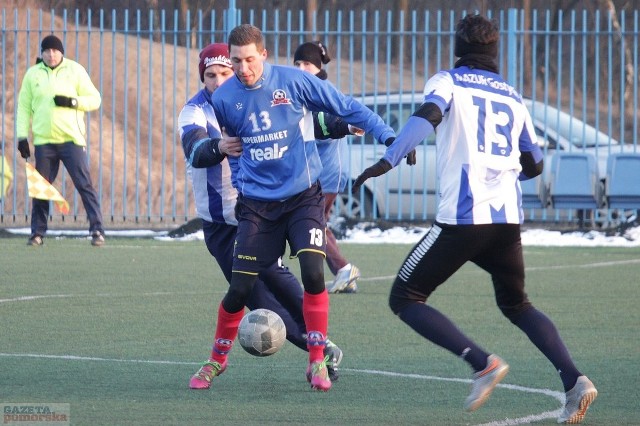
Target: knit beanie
(213, 54)
(314, 52)
(51, 42)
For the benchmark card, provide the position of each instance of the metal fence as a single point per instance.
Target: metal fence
(145, 64)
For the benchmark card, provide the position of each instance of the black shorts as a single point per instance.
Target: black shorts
(445, 248)
(264, 227)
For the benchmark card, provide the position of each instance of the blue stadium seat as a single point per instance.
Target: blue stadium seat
(622, 190)
(534, 193)
(574, 181)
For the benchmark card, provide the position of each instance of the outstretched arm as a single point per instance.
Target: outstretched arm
(419, 126)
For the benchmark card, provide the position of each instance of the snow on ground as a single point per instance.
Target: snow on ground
(530, 237)
(366, 233)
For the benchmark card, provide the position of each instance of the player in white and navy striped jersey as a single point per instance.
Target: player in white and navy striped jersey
(485, 143)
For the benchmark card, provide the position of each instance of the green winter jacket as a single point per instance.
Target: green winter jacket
(51, 123)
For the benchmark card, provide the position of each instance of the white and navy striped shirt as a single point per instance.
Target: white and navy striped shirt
(485, 126)
(215, 197)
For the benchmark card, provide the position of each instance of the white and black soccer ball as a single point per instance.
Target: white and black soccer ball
(262, 332)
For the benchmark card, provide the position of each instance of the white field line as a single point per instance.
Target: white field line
(533, 268)
(97, 359)
(506, 422)
(586, 265)
(66, 296)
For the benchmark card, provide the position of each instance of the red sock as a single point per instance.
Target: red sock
(226, 332)
(315, 309)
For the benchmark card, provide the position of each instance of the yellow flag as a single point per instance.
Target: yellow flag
(5, 176)
(41, 189)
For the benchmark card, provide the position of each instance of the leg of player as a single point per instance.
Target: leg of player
(580, 391)
(226, 332)
(263, 296)
(346, 274)
(230, 313)
(437, 256)
(281, 292)
(315, 307)
(505, 263)
(489, 369)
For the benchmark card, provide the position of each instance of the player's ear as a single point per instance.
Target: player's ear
(264, 54)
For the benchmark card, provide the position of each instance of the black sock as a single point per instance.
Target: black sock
(437, 328)
(543, 333)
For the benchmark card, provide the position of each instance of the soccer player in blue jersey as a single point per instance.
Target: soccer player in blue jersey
(485, 144)
(206, 153)
(269, 108)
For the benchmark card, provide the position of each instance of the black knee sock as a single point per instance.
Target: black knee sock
(437, 328)
(543, 333)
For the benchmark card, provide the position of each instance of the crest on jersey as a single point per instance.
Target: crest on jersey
(280, 98)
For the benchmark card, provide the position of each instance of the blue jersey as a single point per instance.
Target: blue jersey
(274, 122)
(214, 195)
(334, 156)
(485, 126)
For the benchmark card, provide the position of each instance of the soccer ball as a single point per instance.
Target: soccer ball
(262, 332)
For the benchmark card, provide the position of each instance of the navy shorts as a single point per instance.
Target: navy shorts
(264, 227)
(496, 248)
(276, 289)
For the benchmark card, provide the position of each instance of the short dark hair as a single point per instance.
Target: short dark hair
(476, 34)
(246, 34)
(476, 29)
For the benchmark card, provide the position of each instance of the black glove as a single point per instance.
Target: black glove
(380, 168)
(65, 101)
(389, 141)
(411, 158)
(23, 147)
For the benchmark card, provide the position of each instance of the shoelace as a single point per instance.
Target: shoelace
(209, 375)
(318, 366)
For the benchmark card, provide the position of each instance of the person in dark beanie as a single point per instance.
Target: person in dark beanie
(55, 94)
(486, 144)
(51, 42)
(310, 57)
(315, 53)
